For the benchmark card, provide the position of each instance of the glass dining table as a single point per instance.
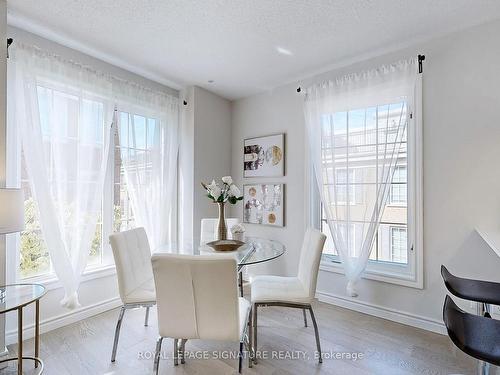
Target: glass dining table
(255, 250)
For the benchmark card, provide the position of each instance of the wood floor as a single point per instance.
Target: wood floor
(388, 348)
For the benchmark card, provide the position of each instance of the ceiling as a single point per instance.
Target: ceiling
(244, 46)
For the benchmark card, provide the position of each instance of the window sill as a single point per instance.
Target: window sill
(370, 273)
(51, 282)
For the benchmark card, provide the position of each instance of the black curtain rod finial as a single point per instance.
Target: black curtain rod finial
(421, 58)
(185, 102)
(9, 42)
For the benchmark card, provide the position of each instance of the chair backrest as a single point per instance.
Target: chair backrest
(209, 228)
(196, 296)
(132, 259)
(310, 257)
(475, 335)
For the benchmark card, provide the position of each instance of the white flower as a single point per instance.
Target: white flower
(234, 191)
(214, 190)
(227, 180)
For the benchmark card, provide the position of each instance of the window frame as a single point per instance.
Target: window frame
(410, 275)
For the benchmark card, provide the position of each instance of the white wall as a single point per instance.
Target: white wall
(279, 111)
(212, 149)
(96, 295)
(461, 95)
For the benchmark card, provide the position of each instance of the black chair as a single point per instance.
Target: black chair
(486, 293)
(477, 336)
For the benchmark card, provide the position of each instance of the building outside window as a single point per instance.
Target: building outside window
(399, 248)
(399, 188)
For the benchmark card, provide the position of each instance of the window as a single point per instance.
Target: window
(358, 138)
(399, 248)
(116, 210)
(346, 189)
(399, 187)
(392, 257)
(135, 141)
(34, 258)
(123, 214)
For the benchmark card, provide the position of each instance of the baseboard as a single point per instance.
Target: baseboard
(383, 312)
(64, 319)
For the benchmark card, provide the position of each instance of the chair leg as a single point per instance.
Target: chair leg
(240, 360)
(117, 333)
(316, 332)
(146, 318)
(255, 306)
(176, 353)
(240, 282)
(156, 363)
(250, 340)
(182, 350)
(305, 317)
(483, 368)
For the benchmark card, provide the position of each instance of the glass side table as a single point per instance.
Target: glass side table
(16, 297)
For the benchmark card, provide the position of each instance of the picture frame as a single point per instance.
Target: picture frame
(264, 204)
(264, 156)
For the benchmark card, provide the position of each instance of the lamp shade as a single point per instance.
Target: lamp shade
(11, 210)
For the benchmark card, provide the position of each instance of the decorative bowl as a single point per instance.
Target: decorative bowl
(225, 245)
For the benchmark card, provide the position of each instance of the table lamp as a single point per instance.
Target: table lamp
(11, 215)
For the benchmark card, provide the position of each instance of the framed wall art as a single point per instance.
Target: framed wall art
(264, 204)
(264, 156)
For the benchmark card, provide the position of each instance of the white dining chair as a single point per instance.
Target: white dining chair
(209, 229)
(135, 274)
(296, 292)
(197, 298)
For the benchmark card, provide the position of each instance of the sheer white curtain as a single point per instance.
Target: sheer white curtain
(64, 115)
(356, 128)
(148, 124)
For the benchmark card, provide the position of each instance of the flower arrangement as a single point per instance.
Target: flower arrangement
(220, 194)
(228, 192)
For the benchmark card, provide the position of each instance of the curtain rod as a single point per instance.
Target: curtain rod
(421, 58)
(10, 41)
